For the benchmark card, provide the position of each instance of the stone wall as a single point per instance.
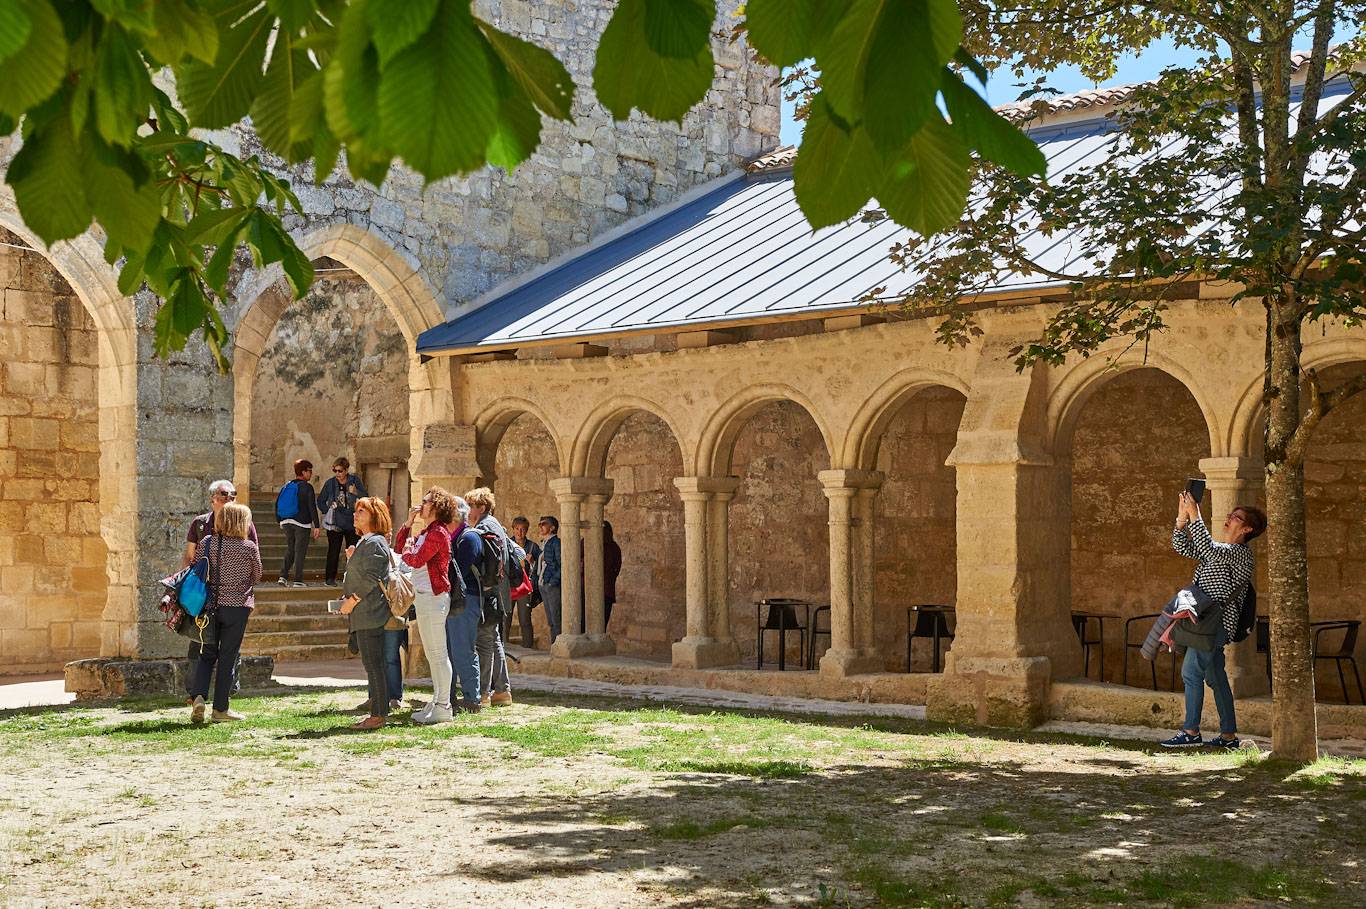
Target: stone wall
(779, 521)
(647, 522)
(914, 560)
(53, 580)
(1137, 440)
(526, 463)
(334, 372)
(1335, 498)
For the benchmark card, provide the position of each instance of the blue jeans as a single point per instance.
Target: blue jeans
(393, 663)
(462, 628)
(1207, 667)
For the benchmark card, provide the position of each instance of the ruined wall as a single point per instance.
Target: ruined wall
(647, 520)
(916, 534)
(1335, 500)
(52, 558)
(335, 371)
(779, 521)
(1136, 441)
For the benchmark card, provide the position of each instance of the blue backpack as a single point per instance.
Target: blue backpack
(287, 502)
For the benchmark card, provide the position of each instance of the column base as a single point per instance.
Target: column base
(578, 646)
(991, 692)
(113, 677)
(705, 653)
(837, 664)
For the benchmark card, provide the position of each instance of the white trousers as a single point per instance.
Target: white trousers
(432, 610)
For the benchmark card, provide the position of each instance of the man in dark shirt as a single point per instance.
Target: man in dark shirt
(221, 492)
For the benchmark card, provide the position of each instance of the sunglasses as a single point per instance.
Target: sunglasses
(338, 470)
(226, 495)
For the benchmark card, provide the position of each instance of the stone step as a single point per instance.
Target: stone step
(270, 624)
(270, 592)
(305, 653)
(273, 642)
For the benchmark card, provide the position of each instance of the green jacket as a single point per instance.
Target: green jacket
(366, 572)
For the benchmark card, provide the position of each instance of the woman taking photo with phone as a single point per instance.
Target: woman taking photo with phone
(363, 600)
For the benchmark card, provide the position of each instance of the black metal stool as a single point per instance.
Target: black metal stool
(782, 618)
(815, 630)
(928, 621)
(1130, 644)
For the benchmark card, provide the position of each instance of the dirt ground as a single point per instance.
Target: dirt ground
(587, 803)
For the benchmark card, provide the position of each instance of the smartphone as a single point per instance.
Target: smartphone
(1196, 487)
(334, 605)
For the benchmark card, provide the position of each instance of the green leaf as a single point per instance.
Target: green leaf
(269, 243)
(987, 132)
(15, 26)
(787, 32)
(33, 72)
(289, 106)
(182, 30)
(881, 65)
(837, 169)
(293, 14)
(221, 94)
(326, 150)
(629, 73)
(183, 312)
(540, 75)
(123, 199)
(123, 89)
(926, 187)
(396, 24)
(437, 101)
(211, 228)
(132, 274)
(971, 64)
(518, 128)
(44, 178)
(216, 271)
(351, 81)
(679, 28)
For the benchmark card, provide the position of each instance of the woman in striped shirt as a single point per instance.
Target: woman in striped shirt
(234, 569)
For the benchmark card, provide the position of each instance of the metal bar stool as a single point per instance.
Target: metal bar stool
(815, 630)
(781, 618)
(928, 621)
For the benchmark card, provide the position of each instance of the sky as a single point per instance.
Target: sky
(1002, 89)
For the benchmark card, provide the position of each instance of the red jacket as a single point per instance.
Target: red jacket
(435, 553)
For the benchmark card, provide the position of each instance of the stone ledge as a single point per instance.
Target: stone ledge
(105, 678)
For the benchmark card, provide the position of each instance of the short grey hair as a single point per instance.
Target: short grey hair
(462, 510)
(218, 486)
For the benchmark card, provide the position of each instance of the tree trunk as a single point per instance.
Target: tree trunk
(1294, 726)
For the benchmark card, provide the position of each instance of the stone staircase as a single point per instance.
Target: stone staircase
(290, 623)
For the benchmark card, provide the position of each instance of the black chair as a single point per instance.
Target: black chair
(816, 629)
(1130, 644)
(781, 618)
(1081, 623)
(1346, 651)
(928, 621)
(1263, 638)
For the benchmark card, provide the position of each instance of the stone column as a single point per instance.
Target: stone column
(571, 492)
(846, 655)
(1014, 633)
(1232, 482)
(864, 587)
(594, 574)
(708, 641)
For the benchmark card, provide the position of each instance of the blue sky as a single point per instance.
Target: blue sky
(1001, 90)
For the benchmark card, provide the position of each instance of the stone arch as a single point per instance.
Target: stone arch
(860, 448)
(81, 264)
(405, 292)
(494, 420)
(1078, 384)
(1319, 354)
(588, 455)
(717, 444)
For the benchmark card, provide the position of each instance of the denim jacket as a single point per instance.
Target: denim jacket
(549, 568)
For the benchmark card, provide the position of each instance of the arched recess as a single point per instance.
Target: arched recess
(905, 431)
(589, 452)
(493, 422)
(1128, 443)
(81, 264)
(1246, 427)
(405, 292)
(716, 447)
(1079, 383)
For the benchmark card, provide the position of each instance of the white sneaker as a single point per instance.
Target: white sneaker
(300, 584)
(420, 714)
(439, 714)
(283, 582)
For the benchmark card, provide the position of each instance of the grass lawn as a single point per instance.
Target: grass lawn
(594, 802)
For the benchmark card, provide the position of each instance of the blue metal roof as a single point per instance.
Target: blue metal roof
(741, 252)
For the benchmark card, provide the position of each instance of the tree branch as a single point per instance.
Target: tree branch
(1313, 82)
(1320, 405)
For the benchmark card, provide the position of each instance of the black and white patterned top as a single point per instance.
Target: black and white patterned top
(1225, 570)
(235, 572)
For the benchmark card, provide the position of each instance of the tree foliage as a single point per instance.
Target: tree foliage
(430, 84)
(1249, 168)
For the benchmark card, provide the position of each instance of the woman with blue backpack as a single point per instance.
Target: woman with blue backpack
(233, 566)
(296, 508)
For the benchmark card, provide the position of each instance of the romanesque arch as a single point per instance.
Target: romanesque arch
(860, 448)
(716, 446)
(405, 292)
(81, 263)
(493, 422)
(589, 452)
